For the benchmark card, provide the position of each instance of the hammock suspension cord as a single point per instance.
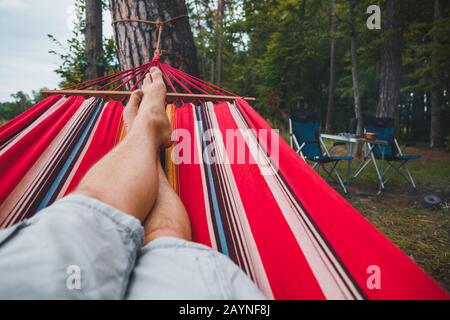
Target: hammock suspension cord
(181, 86)
(158, 23)
(193, 89)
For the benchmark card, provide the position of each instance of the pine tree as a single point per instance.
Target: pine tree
(391, 62)
(137, 41)
(332, 82)
(94, 39)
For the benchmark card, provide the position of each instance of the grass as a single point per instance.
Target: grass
(423, 234)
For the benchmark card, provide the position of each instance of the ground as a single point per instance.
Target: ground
(398, 213)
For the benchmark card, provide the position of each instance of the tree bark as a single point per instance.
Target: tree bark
(94, 39)
(136, 41)
(355, 80)
(418, 117)
(436, 136)
(332, 84)
(436, 129)
(203, 60)
(391, 62)
(219, 26)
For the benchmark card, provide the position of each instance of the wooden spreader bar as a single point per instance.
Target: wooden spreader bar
(119, 95)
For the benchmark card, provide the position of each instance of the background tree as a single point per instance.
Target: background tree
(437, 75)
(21, 101)
(73, 54)
(200, 12)
(391, 61)
(426, 71)
(136, 41)
(287, 61)
(355, 78)
(94, 39)
(332, 82)
(219, 32)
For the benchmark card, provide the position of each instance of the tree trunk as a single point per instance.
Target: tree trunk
(219, 26)
(427, 114)
(212, 72)
(418, 117)
(356, 94)
(391, 62)
(136, 41)
(436, 136)
(203, 60)
(94, 39)
(436, 128)
(332, 84)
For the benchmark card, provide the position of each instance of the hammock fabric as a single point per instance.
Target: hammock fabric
(277, 219)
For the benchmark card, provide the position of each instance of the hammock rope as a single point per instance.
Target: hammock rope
(158, 23)
(173, 77)
(190, 88)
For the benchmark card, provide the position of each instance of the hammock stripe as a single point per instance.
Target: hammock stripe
(36, 193)
(47, 178)
(231, 228)
(294, 235)
(331, 283)
(9, 130)
(333, 279)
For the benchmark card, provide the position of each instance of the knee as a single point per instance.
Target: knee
(158, 227)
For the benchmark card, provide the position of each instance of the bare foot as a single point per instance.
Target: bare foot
(151, 113)
(131, 109)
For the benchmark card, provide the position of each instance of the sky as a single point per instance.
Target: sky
(25, 63)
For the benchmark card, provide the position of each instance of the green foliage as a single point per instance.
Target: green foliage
(426, 63)
(201, 13)
(73, 55)
(20, 103)
(279, 52)
(419, 48)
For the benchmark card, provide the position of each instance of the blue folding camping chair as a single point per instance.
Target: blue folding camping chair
(391, 153)
(305, 140)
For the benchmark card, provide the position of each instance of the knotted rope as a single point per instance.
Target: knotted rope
(158, 23)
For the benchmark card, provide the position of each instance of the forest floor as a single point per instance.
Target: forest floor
(423, 234)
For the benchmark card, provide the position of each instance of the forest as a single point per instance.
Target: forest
(317, 55)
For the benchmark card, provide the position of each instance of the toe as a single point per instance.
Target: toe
(148, 78)
(156, 73)
(135, 98)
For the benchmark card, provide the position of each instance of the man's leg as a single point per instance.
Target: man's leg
(81, 247)
(170, 266)
(127, 177)
(168, 217)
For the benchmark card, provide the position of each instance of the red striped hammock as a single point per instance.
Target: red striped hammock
(288, 230)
